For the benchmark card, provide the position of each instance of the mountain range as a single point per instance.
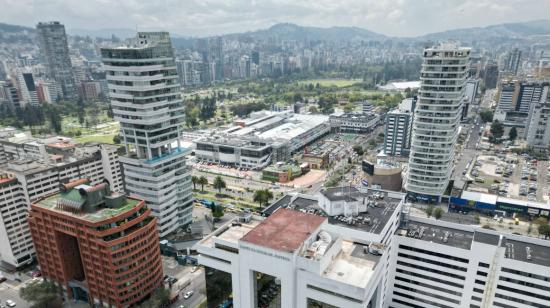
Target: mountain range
(289, 31)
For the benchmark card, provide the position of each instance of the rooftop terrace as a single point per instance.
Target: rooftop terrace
(98, 214)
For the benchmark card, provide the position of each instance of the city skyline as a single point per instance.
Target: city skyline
(403, 18)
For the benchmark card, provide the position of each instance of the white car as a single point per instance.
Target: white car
(10, 303)
(188, 294)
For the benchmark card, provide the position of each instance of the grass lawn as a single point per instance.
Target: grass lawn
(96, 138)
(341, 83)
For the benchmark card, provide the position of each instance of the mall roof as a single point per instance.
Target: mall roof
(285, 230)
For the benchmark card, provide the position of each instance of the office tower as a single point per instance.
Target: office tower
(47, 92)
(469, 96)
(297, 257)
(27, 88)
(436, 119)
(31, 169)
(397, 137)
(54, 51)
(145, 97)
(10, 94)
(255, 56)
(490, 75)
(513, 61)
(97, 246)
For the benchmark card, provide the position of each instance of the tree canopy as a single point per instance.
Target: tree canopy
(42, 294)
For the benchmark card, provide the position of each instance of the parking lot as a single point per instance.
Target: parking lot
(510, 175)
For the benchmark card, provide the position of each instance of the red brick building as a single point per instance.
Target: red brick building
(99, 246)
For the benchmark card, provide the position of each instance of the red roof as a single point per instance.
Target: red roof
(285, 230)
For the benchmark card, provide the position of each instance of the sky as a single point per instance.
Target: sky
(402, 18)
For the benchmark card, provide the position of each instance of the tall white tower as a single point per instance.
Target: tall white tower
(146, 100)
(437, 117)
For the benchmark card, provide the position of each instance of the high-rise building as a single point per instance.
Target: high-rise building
(436, 119)
(146, 100)
(490, 75)
(47, 92)
(397, 137)
(27, 88)
(513, 61)
(10, 94)
(54, 51)
(31, 169)
(97, 246)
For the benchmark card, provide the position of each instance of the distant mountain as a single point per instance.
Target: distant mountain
(121, 33)
(508, 31)
(7, 28)
(13, 34)
(288, 31)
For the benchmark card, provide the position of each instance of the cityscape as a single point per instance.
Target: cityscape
(269, 154)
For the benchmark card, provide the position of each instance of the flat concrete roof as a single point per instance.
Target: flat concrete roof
(352, 266)
(486, 238)
(436, 234)
(285, 230)
(517, 250)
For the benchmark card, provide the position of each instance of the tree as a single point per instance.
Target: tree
(159, 299)
(219, 183)
(544, 230)
(349, 107)
(262, 196)
(497, 130)
(116, 139)
(486, 115)
(313, 110)
(358, 149)
(42, 294)
(195, 181)
(202, 181)
(513, 134)
(429, 210)
(540, 221)
(217, 211)
(438, 212)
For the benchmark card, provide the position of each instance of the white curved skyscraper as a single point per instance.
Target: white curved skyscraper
(436, 120)
(146, 100)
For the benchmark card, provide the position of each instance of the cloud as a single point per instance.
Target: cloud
(209, 17)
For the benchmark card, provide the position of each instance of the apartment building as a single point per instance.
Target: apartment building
(27, 177)
(397, 136)
(436, 120)
(146, 100)
(347, 247)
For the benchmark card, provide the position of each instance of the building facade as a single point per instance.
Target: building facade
(29, 172)
(368, 249)
(397, 137)
(358, 123)
(146, 100)
(54, 51)
(98, 247)
(436, 119)
(538, 132)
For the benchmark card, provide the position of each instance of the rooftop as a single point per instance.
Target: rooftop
(352, 265)
(90, 203)
(518, 250)
(381, 207)
(285, 230)
(441, 235)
